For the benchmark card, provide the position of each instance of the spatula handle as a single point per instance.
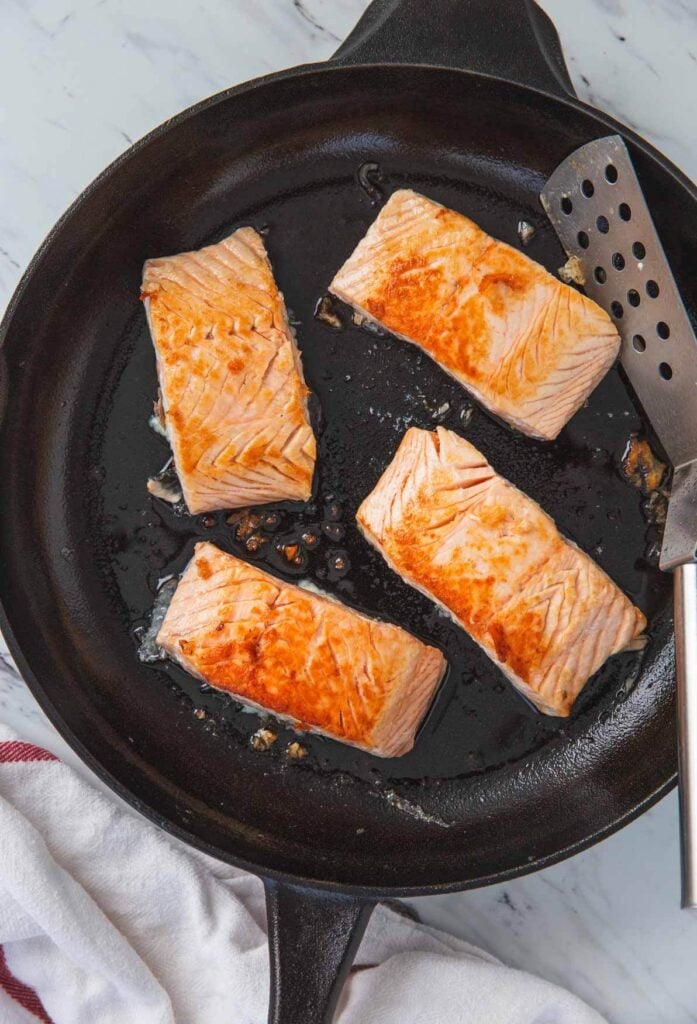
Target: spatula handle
(685, 585)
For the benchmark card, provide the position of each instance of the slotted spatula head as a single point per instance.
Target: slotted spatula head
(595, 203)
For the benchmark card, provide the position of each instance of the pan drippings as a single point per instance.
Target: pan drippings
(367, 391)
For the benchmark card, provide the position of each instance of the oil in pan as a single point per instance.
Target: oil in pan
(368, 388)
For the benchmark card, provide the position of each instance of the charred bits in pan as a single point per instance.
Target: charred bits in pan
(295, 543)
(641, 467)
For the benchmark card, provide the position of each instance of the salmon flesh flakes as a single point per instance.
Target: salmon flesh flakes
(530, 348)
(234, 401)
(457, 531)
(302, 656)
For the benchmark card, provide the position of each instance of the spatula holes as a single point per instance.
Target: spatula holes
(639, 250)
(602, 224)
(663, 330)
(600, 275)
(625, 211)
(633, 297)
(617, 309)
(638, 343)
(611, 174)
(665, 370)
(587, 188)
(652, 289)
(583, 239)
(618, 261)
(566, 205)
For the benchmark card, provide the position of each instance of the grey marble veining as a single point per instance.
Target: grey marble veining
(606, 923)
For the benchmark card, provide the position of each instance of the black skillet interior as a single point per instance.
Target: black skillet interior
(492, 787)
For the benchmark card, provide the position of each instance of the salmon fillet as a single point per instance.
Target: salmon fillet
(304, 657)
(530, 348)
(454, 529)
(233, 395)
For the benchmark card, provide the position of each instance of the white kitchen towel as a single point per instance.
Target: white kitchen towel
(104, 919)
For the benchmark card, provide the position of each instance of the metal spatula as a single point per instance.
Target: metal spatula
(597, 208)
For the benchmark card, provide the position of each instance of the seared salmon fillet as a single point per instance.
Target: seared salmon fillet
(302, 656)
(530, 348)
(234, 399)
(540, 608)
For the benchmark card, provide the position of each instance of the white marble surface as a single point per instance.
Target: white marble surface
(79, 80)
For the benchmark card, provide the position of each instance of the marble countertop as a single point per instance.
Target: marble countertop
(79, 81)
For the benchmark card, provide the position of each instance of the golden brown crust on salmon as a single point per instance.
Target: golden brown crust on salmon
(233, 394)
(456, 530)
(302, 656)
(530, 348)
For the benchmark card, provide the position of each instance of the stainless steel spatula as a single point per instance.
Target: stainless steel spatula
(596, 205)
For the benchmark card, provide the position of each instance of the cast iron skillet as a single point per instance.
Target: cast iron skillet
(492, 789)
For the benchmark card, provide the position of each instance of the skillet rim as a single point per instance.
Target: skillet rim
(37, 688)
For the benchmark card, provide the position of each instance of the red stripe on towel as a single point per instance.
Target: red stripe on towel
(15, 988)
(18, 750)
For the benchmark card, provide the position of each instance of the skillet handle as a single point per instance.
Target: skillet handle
(511, 39)
(313, 938)
(685, 594)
